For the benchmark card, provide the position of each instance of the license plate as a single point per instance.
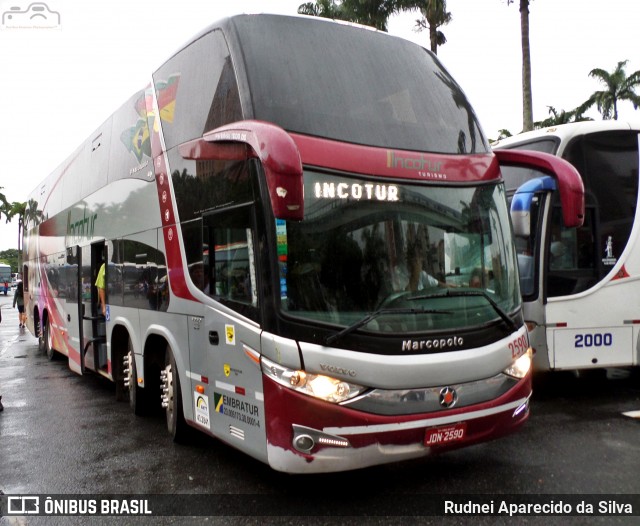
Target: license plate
(444, 435)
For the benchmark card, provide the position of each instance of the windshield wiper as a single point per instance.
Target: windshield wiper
(480, 293)
(380, 312)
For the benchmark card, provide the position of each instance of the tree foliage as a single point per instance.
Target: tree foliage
(11, 257)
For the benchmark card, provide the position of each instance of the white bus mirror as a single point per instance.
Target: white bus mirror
(522, 201)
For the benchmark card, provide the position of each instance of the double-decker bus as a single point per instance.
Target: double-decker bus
(579, 285)
(307, 249)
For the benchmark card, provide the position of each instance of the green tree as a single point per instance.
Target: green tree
(434, 15)
(527, 98)
(618, 87)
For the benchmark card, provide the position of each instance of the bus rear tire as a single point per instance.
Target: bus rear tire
(172, 400)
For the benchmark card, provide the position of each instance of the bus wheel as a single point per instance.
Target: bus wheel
(130, 373)
(121, 375)
(172, 399)
(47, 339)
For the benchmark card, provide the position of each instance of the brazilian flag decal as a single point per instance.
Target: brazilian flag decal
(218, 401)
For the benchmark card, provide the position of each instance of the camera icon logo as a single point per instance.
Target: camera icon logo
(37, 16)
(23, 505)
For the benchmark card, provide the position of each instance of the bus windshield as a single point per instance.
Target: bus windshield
(424, 258)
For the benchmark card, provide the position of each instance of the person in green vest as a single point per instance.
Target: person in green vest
(101, 285)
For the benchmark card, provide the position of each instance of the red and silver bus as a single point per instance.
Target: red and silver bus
(579, 284)
(307, 246)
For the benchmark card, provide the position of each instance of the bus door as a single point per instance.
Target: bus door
(225, 348)
(93, 352)
(72, 315)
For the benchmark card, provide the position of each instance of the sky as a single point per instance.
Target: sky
(59, 84)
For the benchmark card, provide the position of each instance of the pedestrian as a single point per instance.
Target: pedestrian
(18, 298)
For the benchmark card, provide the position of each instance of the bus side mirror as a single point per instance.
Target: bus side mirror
(522, 200)
(275, 149)
(567, 178)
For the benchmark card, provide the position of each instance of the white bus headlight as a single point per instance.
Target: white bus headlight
(319, 386)
(521, 366)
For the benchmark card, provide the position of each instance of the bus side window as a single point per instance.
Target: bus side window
(232, 256)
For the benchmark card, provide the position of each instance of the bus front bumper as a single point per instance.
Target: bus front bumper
(305, 435)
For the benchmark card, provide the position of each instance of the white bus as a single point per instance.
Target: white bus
(580, 286)
(308, 251)
(5, 278)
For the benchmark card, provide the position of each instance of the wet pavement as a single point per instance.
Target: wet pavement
(64, 433)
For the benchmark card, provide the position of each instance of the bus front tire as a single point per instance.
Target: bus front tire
(47, 343)
(172, 400)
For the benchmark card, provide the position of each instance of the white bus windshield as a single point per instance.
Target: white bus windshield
(366, 246)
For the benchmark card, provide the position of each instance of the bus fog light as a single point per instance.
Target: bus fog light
(520, 367)
(304, 443)
(305, 439)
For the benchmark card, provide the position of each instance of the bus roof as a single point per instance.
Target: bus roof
(564, 132)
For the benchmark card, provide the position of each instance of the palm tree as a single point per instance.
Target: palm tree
(619, 87)
(561, 117)
(527, 103)
(434, 15)
(19, 210)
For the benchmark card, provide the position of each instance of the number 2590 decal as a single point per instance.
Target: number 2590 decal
(518, 346)
(597, 339)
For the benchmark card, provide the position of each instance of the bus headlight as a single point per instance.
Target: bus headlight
(521, 366)
(319, 386)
